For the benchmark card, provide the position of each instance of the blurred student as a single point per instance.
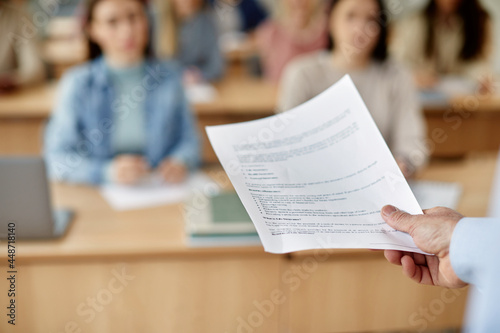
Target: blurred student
(238, 15)
(123, 113)
(358, 32)
(448, 37)
(299, 27)
(187, 31)
(19, 61)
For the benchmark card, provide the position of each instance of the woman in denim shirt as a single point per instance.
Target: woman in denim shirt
(123, 114)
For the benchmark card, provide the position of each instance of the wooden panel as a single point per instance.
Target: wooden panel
(21, 136)
(158, 296)
(31, 102)
(454, 134)
(365, 294)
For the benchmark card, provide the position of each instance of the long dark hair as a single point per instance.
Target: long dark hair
(380, 52)
(94, 50)
(474, 28)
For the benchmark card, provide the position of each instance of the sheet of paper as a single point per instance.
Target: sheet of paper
(432, 194)
(152, 191)
(317, 175)
(200, 93)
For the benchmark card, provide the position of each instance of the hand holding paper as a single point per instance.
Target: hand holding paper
(317, 175)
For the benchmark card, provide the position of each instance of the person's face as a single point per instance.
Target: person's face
(448, 7)
(120, 28)
(299, 11)
(354, 26)
(186, 8)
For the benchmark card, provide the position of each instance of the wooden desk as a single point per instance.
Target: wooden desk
(468, 124)
(174, 288)
(22, 115)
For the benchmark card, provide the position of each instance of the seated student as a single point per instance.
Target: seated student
(446, 38)
(238, 15)
(299, 27)
(358, 35)
(19, 61)
(187, 31)
(122, 114)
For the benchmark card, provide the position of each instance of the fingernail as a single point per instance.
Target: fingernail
(388, 210)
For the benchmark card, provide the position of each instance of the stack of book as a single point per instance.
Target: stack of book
(221, 221)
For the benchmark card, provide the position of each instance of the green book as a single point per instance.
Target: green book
(224, 215)
(227, 208)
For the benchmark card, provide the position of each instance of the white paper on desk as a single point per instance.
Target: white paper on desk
(317, 175)
(200, 93)
(152, 191)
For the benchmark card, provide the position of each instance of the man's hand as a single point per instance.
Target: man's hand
(173, 171)
(432, 233)
(129, 169)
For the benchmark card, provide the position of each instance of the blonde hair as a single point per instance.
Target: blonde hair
(166, 29)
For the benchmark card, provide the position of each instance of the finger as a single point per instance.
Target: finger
(400, 220)
(143, 166)
(174, 173)
(393, 256)
(124, 178)
(137, 165)
(433, 210)
(419, 259)
(130, 171)
(132, 175)
(409, 267)
(135, 160)
(418, 273)
(165, 166)
(433, 264)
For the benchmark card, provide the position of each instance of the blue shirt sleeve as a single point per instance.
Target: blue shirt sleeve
(474, 255)
(68, 155)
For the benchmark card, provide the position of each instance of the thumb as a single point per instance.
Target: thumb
(398, 219)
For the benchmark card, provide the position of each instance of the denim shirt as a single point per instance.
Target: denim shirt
(78, 136)
(199, 46)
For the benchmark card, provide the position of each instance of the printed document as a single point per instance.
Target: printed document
(317, 176)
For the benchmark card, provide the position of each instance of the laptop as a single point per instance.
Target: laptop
(25, 200)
